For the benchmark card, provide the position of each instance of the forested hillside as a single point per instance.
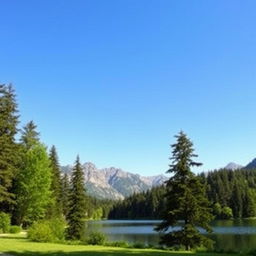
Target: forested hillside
(145, 205)
(231, 193)
(233, 189)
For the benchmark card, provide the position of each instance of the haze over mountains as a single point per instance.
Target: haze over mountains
(115, 183)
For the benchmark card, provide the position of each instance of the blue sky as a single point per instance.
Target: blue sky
(115, 80)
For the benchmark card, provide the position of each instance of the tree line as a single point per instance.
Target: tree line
(232, 194)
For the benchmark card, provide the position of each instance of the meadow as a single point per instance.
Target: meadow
(19, 245)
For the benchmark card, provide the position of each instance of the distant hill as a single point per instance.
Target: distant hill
(251, 165)
(233, 166)
(114, 183)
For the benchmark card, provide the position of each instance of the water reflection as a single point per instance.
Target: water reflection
(238, 235)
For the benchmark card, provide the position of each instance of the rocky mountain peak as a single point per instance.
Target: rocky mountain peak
(233, 166)
(114, 183)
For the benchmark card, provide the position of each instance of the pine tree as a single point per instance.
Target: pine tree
(186, 199)
(65, 189)
(29, 136)
(237, 201)
(77, 203)
(55, 209)
(9, 150)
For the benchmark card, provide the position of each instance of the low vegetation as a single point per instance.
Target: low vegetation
(17, 245)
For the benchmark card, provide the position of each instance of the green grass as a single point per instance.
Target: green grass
(19, 245)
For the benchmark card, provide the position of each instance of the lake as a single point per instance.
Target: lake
(238, 235)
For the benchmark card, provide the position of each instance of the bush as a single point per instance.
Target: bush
(96, 238)
(123, 244)
(47, 231)
(139, 246)
(227, 213)
(58, 228)
(5, 222)
(40, 232)
(15, 229)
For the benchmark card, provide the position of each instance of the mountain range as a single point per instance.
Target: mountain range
(114, 183)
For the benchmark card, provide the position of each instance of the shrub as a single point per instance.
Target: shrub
(139, 246)
(40, 232)
(58, 227)
(15, 229)
(47, 231)
(123, 244)
(5, 222)
(227, 213)
(96, 238)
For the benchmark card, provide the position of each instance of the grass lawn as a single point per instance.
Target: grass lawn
(18, 245)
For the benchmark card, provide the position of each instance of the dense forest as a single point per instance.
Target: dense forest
(232, 189)
(232, 195)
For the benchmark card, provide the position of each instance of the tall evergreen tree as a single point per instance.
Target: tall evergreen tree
(186, 199)
(237, 201)
(77, 203)
(65, 189)
(29, 136)
(55, 208)
(9, 151)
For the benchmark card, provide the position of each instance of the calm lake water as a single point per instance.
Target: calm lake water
(238, 235)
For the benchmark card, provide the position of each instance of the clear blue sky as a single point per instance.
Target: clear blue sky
(115, 80)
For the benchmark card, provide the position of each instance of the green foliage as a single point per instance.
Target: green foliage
(47, 231)
(233, 189)
(98, 208)
(96, 238)
(33, 188)
(29, 136)
(122, 244)
(217, 210)
(24, 248)
(226, 213)
(186, 199)
(225, 188)
(139, 245)
(97, 214)
(145, 205)
(5, 222)
(40, 232)
(77, 203)
(15, 229)
(65, 189)
(55, 208)
(9, 150)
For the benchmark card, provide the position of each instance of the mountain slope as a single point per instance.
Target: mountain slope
(251, 165)
(114, 183)
(233, 166)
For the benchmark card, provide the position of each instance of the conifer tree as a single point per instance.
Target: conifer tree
(55, 209)
(186, 199)
(29, 136)
(65, 189)
(9, 151)
(77, 203)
